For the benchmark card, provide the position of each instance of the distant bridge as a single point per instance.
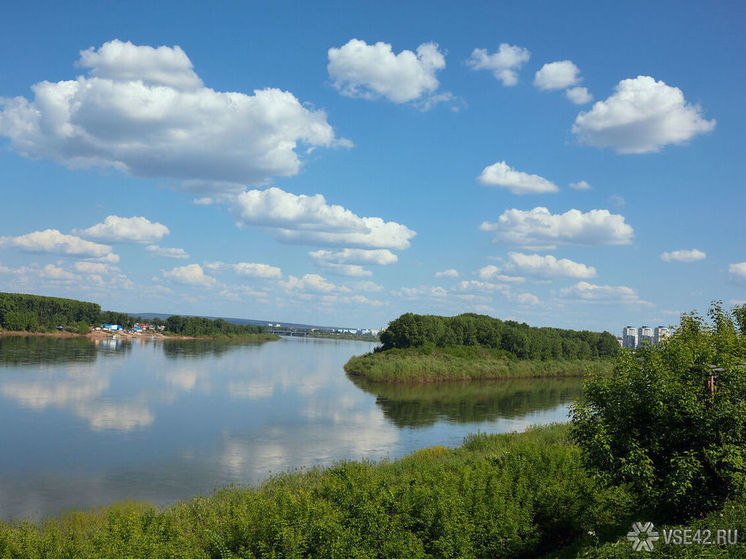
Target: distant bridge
(287, 332)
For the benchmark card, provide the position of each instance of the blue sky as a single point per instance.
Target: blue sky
(572, 165)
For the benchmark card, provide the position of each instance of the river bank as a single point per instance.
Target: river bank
(412, 365)
(159, 336)
(498, 496)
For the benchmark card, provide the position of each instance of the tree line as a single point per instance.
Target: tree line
(35, 313)
(516, 339)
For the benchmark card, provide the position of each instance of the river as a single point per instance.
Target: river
(85, 424)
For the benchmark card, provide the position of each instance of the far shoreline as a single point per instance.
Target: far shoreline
(156, 336)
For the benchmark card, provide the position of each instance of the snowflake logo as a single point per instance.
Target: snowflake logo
(643, 536)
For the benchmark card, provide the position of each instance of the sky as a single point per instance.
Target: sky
(577, 165)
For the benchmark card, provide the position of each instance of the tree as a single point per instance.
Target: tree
(657, 425)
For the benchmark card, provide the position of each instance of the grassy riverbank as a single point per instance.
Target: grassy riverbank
(428, 364)
(495, 496)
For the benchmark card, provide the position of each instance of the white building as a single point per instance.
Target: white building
(645, 334)
(661, 333)
(629, 337)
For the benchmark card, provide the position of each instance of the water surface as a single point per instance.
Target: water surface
(86, 424)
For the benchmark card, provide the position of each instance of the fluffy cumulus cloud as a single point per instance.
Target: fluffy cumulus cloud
(450, 273)
(683, 255)
(579, 95)
(642, 116)
(117, 229)
(738, 270)
(166, 252)
(603, 293)
(503, 64)
(502, 175)
(380, 257)
(145, 112)
(51, 241)
(492, 272)
(191, 274)
(541, 229)
(256, 270)
(310, 282)
(557, 75)
(358, 69)
(580, 185)
(310, 220)
(548, 266)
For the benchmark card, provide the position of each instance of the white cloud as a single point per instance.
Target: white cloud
(372, 71)
(549, 267)
(642, 116)
(310, 220)
(52, 272)
(157, 66)
(381, 257)
(51, 241)
(191, 274)
(503, 64)
(527, 299)
(366, 285)
(143, 111)
(538, 228)
(492, 272)
(501, 174)
(351, 270)
(579, 95)
(738, 270)
(604, 293)
(450, 273)
(683, 255)
(117, 229)
(167, 252)
(617, 200)
(257, 270)
(580, 185)
(309, 282)
(557, 75)
(94, 268)
(417, 292)
(485, 286)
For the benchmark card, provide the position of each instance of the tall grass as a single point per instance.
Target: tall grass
(495, 496)
(414, 365)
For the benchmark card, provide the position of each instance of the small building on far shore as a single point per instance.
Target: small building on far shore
(111, 327)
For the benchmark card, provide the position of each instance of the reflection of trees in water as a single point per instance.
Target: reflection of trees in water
(176, 349)
(468, 402)
(37, 350)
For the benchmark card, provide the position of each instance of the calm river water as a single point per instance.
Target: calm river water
(86, 424)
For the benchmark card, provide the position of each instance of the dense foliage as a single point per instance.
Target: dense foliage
(35, 313)
(195, 326)
(517, 339)
(496, 496)
(661, 427)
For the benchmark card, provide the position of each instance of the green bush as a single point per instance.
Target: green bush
(496, 496)
(656, 426)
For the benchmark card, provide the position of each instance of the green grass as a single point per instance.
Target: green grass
(413, 365)
(495, 496)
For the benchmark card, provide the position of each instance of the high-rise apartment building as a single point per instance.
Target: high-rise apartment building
(661, 333)
(645, 334)
(629, 337)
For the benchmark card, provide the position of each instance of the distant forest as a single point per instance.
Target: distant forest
(516, 339)
(34, 313)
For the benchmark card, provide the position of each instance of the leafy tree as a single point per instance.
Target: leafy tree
(660, 427)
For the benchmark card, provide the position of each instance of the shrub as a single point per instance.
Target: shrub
(656, 425)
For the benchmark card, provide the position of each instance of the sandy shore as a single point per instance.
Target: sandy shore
(102, 335)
